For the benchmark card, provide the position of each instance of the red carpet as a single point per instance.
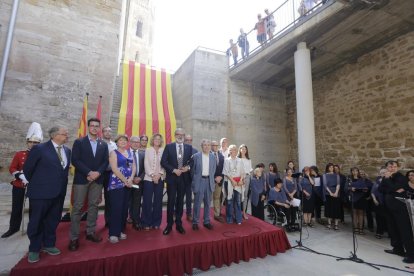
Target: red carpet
(151, 253)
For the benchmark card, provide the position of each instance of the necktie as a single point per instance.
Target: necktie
(180, 156)
(136, 162)
(60, 155)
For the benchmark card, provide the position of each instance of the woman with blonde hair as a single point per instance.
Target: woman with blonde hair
(233, 171)
(153, 184)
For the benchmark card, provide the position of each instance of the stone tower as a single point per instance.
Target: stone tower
(138, 31)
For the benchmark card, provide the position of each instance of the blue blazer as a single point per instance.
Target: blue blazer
(169, 162)
(219, 169)
(84, 161)
(140, 169)
(197, 171)
(47, 178)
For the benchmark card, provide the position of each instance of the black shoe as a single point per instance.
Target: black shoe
(395, 252)
(73, 245)
(84, 216)
(208, 226)
(180, 229)
(66, 217)
(408, 260)
(93, 238)
(167, 230)
(9, 233)
(195, 227)
(137, 226)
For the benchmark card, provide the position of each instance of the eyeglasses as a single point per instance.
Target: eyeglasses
(63, 134)
(144, 140)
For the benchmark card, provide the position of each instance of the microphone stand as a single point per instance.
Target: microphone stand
(354, 257)
(299, 244)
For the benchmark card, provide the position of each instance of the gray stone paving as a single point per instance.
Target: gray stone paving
(293, 262)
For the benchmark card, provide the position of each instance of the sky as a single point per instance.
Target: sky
(183, 25)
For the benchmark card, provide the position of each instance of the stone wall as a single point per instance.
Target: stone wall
(61, 50)
(139, 48)
(210, 105)
(364, 112)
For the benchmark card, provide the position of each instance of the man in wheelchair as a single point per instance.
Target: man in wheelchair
(284, 209)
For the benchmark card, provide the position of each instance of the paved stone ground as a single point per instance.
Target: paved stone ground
(293, 262)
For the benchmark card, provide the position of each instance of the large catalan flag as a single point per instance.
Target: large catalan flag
(147, 105)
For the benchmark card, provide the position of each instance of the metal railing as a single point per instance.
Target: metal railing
(289, 14)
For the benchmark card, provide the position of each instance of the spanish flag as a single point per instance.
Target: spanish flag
(146, 105)
(83, 123)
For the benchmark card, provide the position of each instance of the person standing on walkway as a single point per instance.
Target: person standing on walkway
(243, 44)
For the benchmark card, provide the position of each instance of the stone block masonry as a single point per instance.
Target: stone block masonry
(60, 51)
(364, 112)
(210, 105)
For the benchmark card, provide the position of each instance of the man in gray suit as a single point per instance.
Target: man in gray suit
(202, 183)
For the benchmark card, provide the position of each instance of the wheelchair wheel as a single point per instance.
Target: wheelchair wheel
(270, 215)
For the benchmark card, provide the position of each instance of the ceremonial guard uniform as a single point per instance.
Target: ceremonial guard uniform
(34, 136)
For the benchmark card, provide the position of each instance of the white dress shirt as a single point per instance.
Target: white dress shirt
(136, 159)
(205, 161)
(62, 153)
(177, 147)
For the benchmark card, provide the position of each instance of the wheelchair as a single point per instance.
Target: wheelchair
(277, 217)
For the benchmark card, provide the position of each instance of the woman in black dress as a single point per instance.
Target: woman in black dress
(359, 191)
(379, 207)
(258, 193)
(331, 186)
(317, 192)
(306, 184)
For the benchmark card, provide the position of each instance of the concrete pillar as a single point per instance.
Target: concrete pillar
(304, 107)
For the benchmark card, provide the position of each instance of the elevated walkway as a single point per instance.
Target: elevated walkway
(337, 33)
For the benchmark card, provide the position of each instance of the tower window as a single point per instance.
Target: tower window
(139, 28)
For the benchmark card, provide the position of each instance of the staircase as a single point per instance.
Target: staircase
(116, 104)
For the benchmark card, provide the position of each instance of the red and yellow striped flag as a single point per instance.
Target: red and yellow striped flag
(147, 105)
(83, 123)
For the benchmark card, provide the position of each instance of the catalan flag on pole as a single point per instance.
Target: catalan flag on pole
(147, 105)
(99, 116)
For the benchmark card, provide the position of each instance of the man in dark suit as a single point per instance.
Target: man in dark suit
(188, 193)
(90, 158)
(136, 194)
(218, 179)
(46, 169)
(175, 160)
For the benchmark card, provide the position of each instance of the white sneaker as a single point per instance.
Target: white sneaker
(122, 236)
(113, 239)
